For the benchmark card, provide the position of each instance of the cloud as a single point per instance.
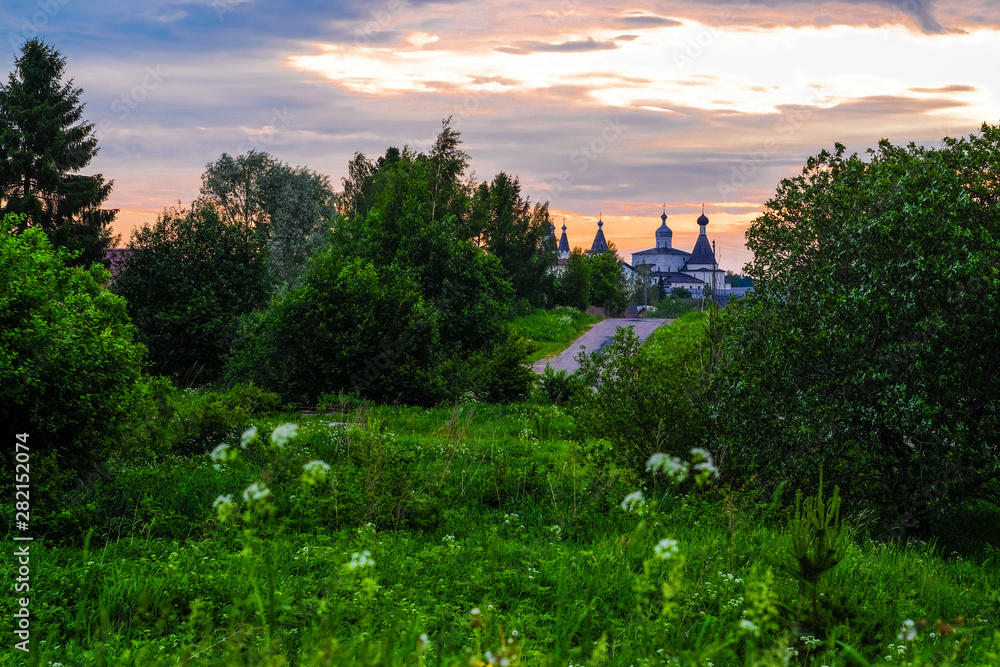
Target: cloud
(647, 21)
(955, 88)
(589, 44)
(895, 104)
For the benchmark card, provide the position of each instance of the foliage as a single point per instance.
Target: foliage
(70, 367)
(672, 306)
(349, 327)
(43, 143)
(206, 418)
(403, 306)
(573, 288)
(869, 346)
(505, 224)
(187, 278)
(819, 539)
(642, 289)
(607, 281)
(290, 210)
(647, 398)
(449, 536)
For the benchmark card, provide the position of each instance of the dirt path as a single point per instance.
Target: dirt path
(597, 337)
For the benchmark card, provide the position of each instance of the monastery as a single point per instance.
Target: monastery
(668, 267)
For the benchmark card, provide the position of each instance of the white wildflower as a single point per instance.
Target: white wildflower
(315, 472)
(249, 436)
(363, 559)
(908, 632)
(224, 507)
(632, 500)
(220, 453)
(706, 470)
(671, 465)
(667, 549)
(282, 434)
(750, 626)
(256, 491)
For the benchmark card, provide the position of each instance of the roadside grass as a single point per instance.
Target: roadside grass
(552, 331)
(427, 515)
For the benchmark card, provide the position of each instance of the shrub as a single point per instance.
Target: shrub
(70, 367)
(648, 398)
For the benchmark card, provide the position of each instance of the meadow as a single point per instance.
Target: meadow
(472, 534)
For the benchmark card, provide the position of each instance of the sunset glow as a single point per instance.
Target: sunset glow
(600, 109)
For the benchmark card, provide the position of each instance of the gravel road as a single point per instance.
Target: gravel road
(597, 337)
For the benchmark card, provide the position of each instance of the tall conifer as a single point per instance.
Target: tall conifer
(44, 142)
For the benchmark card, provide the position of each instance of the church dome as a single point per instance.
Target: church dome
(663, 231)
(702, 219)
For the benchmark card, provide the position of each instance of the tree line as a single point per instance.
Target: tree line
(866, 356)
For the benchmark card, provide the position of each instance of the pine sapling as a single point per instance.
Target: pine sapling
(819, 539)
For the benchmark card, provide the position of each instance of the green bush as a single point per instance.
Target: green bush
(647, 398)
(870, 347)
(673, 305)
(70, 367)
(205, 419)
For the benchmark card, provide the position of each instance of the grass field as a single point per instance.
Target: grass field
(474, 535)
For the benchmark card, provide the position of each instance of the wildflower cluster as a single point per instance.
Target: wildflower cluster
(634, 502)
(361, 560)
(667, 549)
(258, 497)
(315, 472)
(703, 470)
(671, 465)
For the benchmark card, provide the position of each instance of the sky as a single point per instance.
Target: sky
(608, 109)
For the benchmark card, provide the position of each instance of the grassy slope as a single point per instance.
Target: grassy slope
(552, 331)
(463, 509)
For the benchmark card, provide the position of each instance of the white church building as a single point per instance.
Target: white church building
(671, 267)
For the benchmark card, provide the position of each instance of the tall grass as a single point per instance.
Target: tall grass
(427, 515)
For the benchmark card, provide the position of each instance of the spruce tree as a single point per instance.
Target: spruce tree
(44, 142)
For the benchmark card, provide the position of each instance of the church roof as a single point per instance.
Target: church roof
(564, 241)
(600, 243)
(661, 251)
(703, 253)
(675, 277)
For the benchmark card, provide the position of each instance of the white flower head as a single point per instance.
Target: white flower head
(221, 453)
(256, 491)
(361, 560)
(706, 470)
(282, 434)
(315, 472)
(632, 501)
(667, 549)
(224, 507)
(749, 626)
(249, 436)
(908, 632)
(671, 465)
